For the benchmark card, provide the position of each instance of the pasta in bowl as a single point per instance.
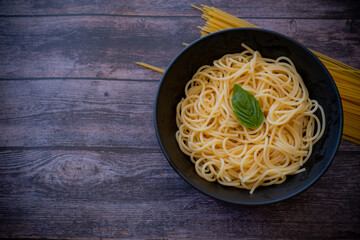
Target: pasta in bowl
(251, 112)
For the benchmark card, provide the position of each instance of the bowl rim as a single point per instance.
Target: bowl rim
(238, 202)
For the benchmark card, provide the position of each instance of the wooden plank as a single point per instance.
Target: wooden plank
(101, 47)
(84, 113)
(107, 47)
(136, 194)
(347, 146)
(254, 9)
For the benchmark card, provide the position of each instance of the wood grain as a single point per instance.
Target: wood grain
(87, 113)
(82, 113)
(255, 9)
(79, 158)
(107, 47)
(58, 193)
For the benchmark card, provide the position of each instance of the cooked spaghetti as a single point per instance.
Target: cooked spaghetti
(225, 151)
(347, 78)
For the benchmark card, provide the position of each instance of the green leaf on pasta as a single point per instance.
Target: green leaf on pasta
(246, 108)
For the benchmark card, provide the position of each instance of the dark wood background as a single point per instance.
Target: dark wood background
(78, 152)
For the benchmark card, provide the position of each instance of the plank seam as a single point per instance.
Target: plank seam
(116, 149)
(97, 15)
(78, 78)
(82, 148)
(165, 16)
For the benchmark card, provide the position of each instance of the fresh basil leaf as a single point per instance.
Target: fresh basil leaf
(246, 108)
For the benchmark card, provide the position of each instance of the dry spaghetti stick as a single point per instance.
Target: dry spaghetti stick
(160, 70)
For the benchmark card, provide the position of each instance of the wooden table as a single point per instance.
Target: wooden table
(78, 153)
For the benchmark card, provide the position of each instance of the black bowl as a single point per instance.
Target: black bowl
(270, 44)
